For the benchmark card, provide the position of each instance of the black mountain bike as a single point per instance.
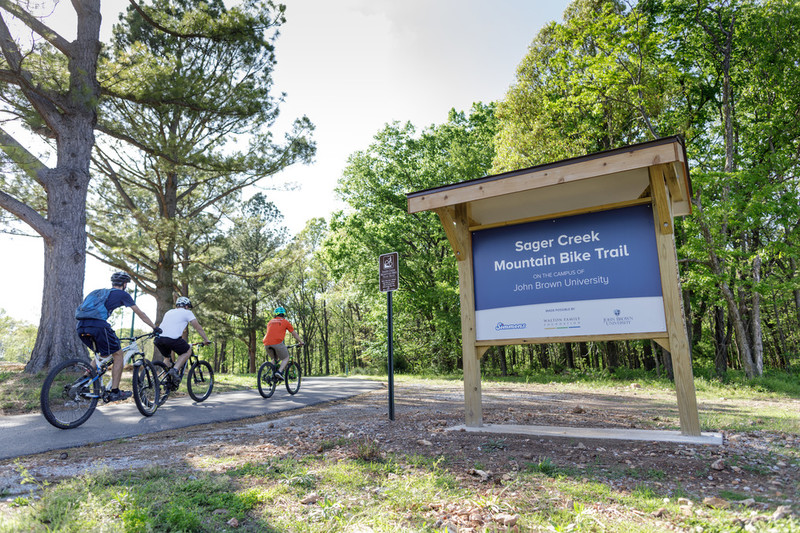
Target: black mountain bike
(267, 380)
(71, 390)
(199, 383)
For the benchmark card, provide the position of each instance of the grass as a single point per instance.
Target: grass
(359, 487)
(382, 494)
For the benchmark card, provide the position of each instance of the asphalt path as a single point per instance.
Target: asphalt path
(29, 434)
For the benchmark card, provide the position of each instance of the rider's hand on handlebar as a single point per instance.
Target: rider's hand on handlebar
(157, 330)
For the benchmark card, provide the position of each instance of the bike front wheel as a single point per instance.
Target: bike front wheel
(146, 388)
(201, 381)
(293, 377)
(69, 394)
(266, 380)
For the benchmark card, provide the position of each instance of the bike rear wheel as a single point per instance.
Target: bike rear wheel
(146, 388)
(293, 377)
(201, 381)
(69, 394)
(266, 380)
(162, 377)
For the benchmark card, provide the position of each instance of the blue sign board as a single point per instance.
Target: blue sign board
(602, 266)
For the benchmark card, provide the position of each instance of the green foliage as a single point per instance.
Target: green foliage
(16, 339)
(588, 84)
(374, 186)
(724, 76)
(179, 149)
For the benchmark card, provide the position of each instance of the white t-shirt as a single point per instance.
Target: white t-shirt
(175, 321)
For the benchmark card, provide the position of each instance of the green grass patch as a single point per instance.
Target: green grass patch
(393, 493)
(152, 500)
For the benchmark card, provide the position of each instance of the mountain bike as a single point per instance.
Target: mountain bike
(199, 383)
(71, 390)
(267, 380)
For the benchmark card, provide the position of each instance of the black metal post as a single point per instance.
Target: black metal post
(391, 356)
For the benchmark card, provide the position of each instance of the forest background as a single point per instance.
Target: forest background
(167, 203)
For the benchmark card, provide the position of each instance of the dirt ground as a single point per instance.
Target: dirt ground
(763, 467)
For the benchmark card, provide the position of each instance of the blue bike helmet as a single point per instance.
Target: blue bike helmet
(280, 311)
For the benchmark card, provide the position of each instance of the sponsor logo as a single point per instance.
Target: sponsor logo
(502, 327)
(618, 319)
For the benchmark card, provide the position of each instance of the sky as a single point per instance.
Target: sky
(351, 66)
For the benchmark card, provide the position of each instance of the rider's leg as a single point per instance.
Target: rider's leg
(116, 370)
(182, 359)
(282, 352)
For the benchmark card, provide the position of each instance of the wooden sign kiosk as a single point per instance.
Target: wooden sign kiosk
(654, 173)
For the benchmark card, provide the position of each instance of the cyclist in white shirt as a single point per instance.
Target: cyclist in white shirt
(171, 339)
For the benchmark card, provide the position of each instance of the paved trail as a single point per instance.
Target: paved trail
(28, 434)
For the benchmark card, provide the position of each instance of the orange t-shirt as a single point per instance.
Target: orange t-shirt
(276, 331)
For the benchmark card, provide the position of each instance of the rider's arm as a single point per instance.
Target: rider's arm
(196, 325)
(296, 336)
(144, 317)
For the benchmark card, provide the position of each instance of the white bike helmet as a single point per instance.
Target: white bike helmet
(183, 301)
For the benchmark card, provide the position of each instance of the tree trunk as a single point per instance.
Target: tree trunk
(570, 355)
(326, 339)
(721, 338)
(795, 292)
(501, 355)
(64, 269)
(612, 351)
(583, 350)
(649, 362)
(71, 117)
(756, 329)
(666, 361)
(252, 338)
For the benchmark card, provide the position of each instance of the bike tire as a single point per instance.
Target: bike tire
(200, 381)
(266, 381)
(162, 371)
(69, 394)
(146, 388)
(293, 376)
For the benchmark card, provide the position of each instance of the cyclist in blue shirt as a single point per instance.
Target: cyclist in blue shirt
(98, 332)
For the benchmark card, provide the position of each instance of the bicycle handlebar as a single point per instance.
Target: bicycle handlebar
(201, 343)
(132, 339)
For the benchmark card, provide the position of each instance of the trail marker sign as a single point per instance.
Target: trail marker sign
(388, 272)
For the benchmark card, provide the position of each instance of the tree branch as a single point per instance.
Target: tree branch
(27, 215)
(26, 161)
(38, 26)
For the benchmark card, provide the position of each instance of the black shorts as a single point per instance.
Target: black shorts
(104, 337)
(166, 345)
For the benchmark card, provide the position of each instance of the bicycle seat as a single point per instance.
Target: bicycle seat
(88, 339)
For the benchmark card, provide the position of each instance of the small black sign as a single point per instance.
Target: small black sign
(388, 272)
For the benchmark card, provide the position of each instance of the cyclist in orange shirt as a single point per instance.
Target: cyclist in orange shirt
(276, 332)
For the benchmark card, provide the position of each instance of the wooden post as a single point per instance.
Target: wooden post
(469, 352)
(670, 288)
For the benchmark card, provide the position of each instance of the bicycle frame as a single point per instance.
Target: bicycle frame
(201, 376)
(72, 389)
(130, 352)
